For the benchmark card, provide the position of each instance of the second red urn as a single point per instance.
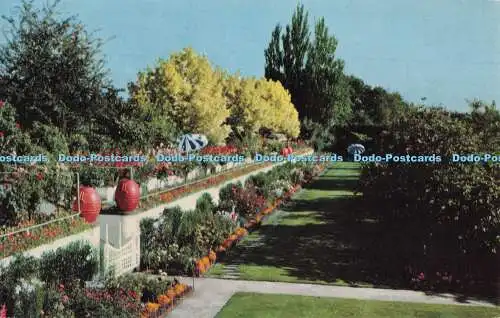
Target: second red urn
(127, 195)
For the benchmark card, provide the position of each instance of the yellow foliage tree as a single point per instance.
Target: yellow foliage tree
(260, 103)
(187, 90)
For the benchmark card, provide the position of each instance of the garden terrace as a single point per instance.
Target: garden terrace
(62, 225)
(30, 235)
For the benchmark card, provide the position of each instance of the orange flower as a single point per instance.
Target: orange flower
(205, 261)
(200, 267)
(163, 300)
(212, 256)
(171, 293)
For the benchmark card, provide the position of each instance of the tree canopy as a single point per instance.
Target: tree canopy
(184, 91)
(52, 71)
(308, 68)
(260, 103)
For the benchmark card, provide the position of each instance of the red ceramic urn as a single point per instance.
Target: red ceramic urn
(90, 204)
(284, 152)
(127, 195)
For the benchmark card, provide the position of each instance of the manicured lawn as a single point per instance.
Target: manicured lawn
(250, 305)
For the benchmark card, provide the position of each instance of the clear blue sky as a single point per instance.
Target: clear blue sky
(445, 50)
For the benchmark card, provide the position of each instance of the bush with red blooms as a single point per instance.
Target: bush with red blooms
(164, 170)
(248, 201)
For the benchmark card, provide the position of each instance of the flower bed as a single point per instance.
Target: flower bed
(171, 242)
(62, 280)
(32, 237)
(166, 302)
(203, 265)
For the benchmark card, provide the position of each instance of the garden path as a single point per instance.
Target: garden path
(211, 294)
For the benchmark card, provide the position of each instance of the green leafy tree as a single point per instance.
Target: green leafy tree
(485, 119)
(30, 183)
(373, 106)
(51, 70)
(307, 67)
(122, 125)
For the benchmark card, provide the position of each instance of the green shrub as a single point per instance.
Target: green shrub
(96, 177)
(274, 146)
(261, 182)
(205, 203)
(78, 261)
(177, 238)
(137, 282)
(21, 268)
(29, 298)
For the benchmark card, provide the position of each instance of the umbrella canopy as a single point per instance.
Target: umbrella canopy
(356, 149)
(192, 142)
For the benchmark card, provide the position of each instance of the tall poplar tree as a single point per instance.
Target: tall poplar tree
(306, 66)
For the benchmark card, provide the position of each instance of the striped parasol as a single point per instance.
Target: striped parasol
(192, 142)
(355, 149)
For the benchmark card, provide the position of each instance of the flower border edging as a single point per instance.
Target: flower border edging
(167, 302)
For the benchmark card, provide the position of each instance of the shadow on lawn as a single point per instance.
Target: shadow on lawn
(346, 244)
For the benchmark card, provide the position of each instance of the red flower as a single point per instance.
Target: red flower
(18, 125)
(3, 312)
(1, 134)
(2, 103)
(421, 276)
(39, 176)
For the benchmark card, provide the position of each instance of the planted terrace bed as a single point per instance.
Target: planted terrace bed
(29, 235)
